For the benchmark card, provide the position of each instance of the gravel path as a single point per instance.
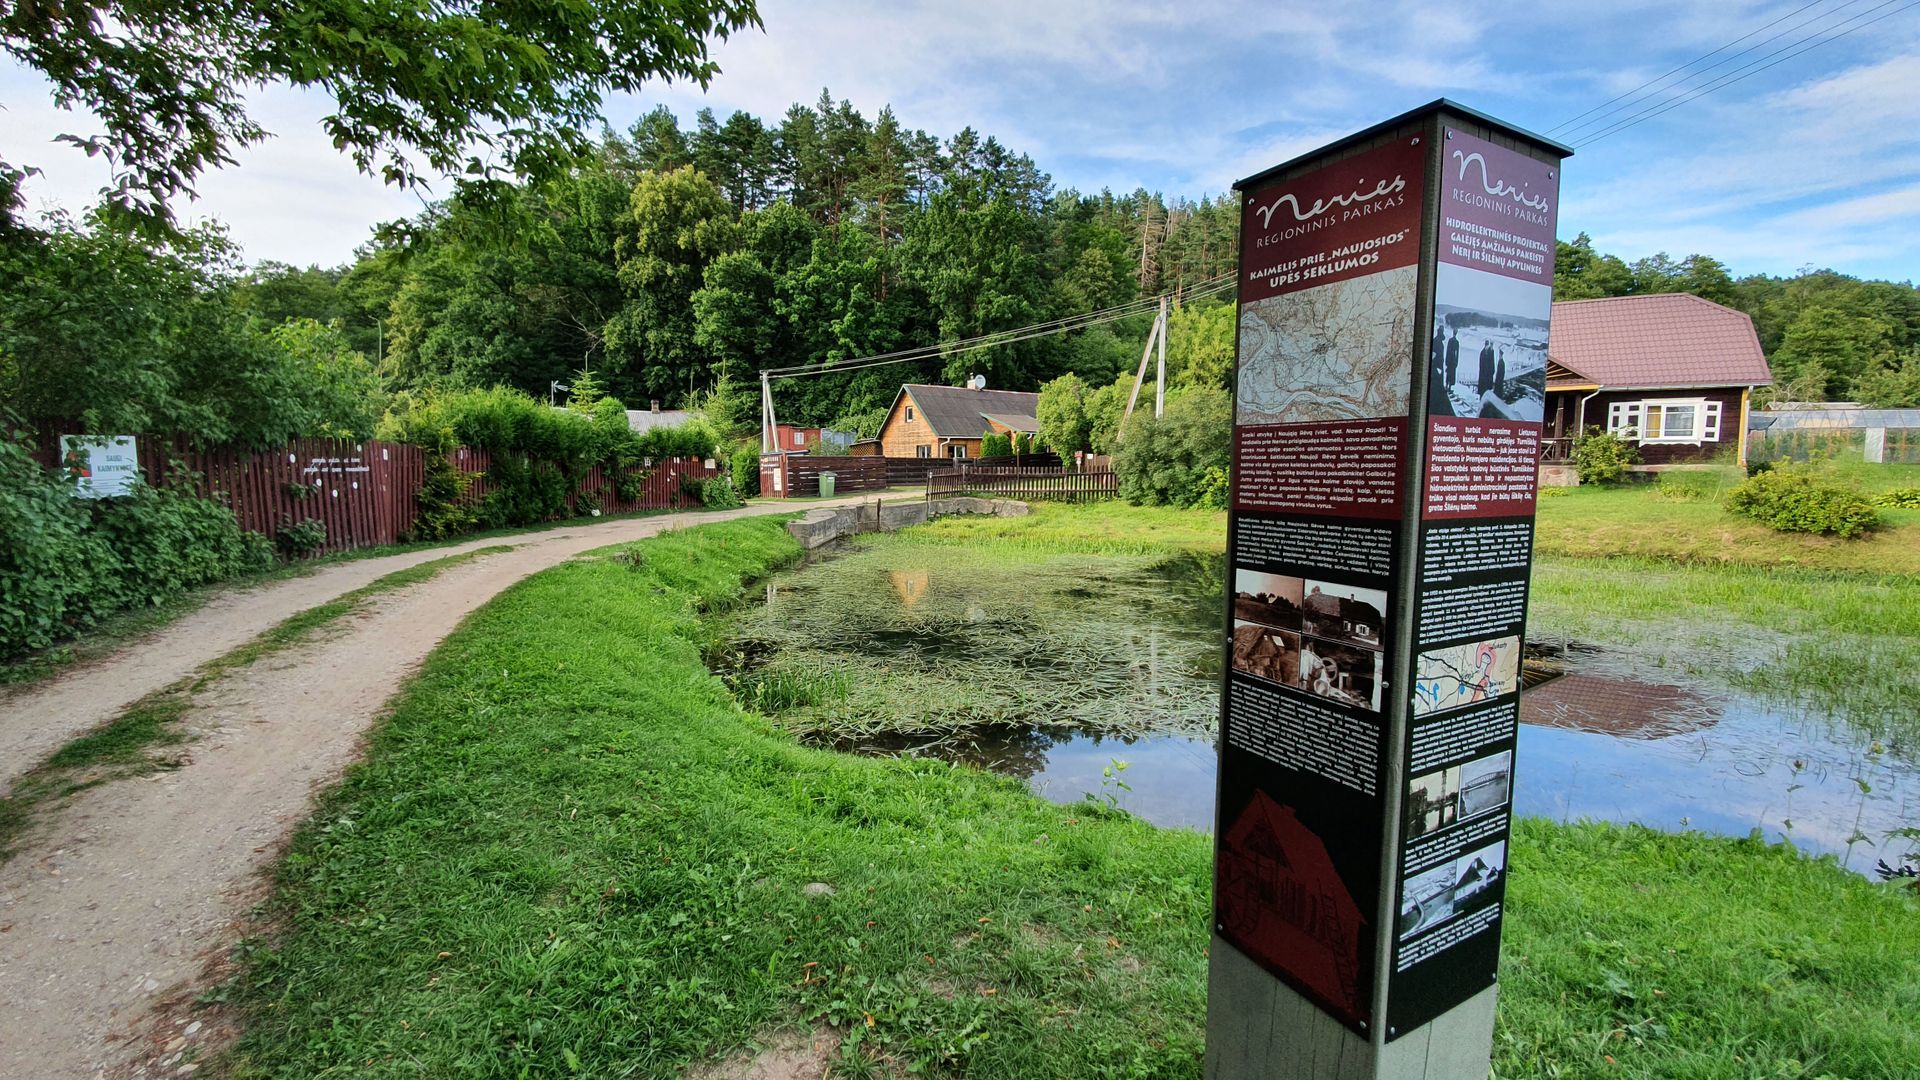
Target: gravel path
(122, 896)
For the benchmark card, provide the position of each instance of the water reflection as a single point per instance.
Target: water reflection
(1591, 747)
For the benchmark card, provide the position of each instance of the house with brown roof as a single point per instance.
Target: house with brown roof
(1672, 372)
(949, 421)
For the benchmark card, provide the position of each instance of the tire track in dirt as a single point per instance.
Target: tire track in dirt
(118, 900)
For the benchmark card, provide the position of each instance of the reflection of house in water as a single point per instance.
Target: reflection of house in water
(1611, 705)
(909, 585)
(1286, 905)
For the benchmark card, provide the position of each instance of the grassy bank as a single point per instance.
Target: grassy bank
(571, 853)
(1682, 519)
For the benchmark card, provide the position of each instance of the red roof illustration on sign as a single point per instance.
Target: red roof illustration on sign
(1285, 905)
(1653, 342)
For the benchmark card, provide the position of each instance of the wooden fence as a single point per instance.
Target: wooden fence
(365, 493)
(1024, 483)
(849, 474)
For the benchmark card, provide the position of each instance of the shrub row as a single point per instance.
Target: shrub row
(67, 562)
(537, 455)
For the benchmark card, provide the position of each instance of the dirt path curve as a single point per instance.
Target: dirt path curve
(119, 899)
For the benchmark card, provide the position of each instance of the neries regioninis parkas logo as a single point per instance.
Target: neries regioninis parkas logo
(1495, 193)
(1327, 210)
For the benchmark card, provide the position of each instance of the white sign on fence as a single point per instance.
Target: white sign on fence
(104, 466)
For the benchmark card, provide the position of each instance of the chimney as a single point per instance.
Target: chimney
(656, 404)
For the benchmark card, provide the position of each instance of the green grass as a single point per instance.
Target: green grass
(1681, 518)
(1630, 952)
(1106, 528)
(570, 852)
(135, 743)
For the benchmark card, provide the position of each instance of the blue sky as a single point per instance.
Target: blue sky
(1812, 162)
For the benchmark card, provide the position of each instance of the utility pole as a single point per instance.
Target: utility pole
(1160, 379)
(1140, 376)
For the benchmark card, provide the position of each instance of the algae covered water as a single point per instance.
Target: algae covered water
(1097, 676)
(902, 637)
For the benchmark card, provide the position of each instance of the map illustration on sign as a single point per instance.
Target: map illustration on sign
(1333, 352)
(1463, 674)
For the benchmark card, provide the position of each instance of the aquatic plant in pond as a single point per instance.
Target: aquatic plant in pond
(904, 635)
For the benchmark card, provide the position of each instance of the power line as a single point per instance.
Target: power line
(1662, 78)
(1085, 320)
(1750, 70)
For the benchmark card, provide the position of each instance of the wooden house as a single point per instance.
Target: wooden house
(1670, 371)
(949, 421)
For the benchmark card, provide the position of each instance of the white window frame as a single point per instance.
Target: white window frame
(958, 451)
(923, 451)
(1628, 420)
(799, 438)
(909, 414)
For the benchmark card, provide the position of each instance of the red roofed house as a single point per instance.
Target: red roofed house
(1670, 371)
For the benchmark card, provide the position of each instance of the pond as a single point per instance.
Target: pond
(1097, 677)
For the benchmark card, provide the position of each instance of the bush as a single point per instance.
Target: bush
(712, 492)
(537, 456)
(744, 463)
(1792, 500)
(1215, 489)
(298, 539)
(1170, 460)
(1900, 498)
(1601, 457)
(68, 561)
(441, 509)
(994, 444)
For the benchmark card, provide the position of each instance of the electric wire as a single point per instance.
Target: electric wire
(1570, 127)
(1085, 320)
(1750, 70)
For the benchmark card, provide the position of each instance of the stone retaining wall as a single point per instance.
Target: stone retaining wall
(828, 524)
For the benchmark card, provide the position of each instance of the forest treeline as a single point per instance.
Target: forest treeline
(677, 260)
(677, 257)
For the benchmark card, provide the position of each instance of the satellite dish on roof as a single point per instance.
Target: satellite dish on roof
(978, 382)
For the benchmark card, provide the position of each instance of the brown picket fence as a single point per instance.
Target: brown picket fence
(1024, 483)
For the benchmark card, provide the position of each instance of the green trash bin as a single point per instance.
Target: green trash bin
(826, 485)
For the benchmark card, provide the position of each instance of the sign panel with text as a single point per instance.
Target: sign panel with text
(1395, 293)
(1328, 292)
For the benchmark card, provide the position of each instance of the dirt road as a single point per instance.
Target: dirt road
(121, 896)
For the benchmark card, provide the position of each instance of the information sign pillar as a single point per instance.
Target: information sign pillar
(1395, 290)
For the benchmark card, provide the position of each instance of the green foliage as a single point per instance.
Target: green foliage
(743, 462)
(863, 424)
(1900, 498)
(1215, 489)
(1177, 459)
(712, 492)
(678, 223)
(1200, 344)
(995, 444)
(298, 539)
(1065, 425)
(537, 456)
(1892, 385)
(461, 90)
(70, 561)
(441, 511)
(1603, 457)
(1794, 500)
(102, 333)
